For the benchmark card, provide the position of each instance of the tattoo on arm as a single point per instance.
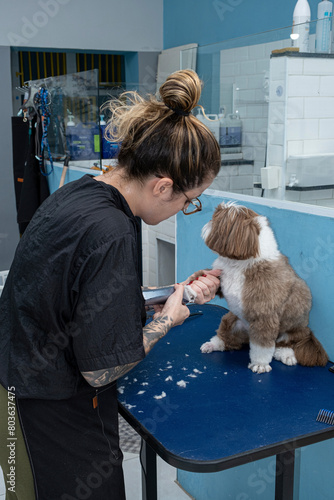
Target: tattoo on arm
(102, 377)
(153, 332)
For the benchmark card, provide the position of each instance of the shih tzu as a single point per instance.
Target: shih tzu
(268, 302)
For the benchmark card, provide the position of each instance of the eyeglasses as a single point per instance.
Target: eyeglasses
(191, 206)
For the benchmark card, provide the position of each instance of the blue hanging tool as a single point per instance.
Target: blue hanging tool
(43, 107)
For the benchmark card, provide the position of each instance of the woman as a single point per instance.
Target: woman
(72, 312)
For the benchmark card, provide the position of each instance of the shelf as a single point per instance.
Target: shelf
(225, 163)
(289, 53)
(300, 188)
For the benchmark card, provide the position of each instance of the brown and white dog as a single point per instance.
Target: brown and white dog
(268, 302)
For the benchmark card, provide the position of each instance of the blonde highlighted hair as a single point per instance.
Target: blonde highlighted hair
(161, 137)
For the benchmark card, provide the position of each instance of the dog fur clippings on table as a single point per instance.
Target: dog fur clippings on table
(268, 302)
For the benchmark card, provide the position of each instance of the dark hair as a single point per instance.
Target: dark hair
(161, 137)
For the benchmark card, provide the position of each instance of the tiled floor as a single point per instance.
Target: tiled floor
(2, 486)
(168, 489)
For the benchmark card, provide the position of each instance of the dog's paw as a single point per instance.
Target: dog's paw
(286, 355)
(207, 347)
(259, 368)
(215, 344)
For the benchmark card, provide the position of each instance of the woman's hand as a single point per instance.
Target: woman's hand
(173, 307)
(205, 283)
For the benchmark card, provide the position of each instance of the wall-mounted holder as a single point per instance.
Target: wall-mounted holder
(271, 177)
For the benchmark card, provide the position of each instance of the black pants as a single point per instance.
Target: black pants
(74, 447)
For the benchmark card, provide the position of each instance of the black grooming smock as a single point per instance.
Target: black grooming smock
(72, 302)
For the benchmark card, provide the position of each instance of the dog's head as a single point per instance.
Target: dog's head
(233, 232)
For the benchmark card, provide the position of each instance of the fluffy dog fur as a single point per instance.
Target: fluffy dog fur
(268, 302)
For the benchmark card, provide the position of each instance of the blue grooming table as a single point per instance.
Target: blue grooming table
(209, 412)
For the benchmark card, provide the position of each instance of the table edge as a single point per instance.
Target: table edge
(226, 462)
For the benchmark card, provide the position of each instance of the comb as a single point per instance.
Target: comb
(326, 416)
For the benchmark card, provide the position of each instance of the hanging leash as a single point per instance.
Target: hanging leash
(43, 116)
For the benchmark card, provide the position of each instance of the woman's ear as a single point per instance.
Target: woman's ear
(163, 187)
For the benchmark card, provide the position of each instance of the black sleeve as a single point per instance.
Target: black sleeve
(107, 322)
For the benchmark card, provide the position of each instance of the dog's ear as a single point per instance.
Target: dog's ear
(211, 233)
(234, 233)
(243, 240)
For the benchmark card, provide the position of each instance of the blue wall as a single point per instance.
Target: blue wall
(308, 241)
(211, 21)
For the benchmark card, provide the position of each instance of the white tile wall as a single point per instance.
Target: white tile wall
(295, 66)
(307, 115)
(276, 134)
(295, 148)
(275, 155)
(278, 69)
(251, 67)
(164, 231)
(295, 107)
(327, 85)
(304, 86)
(321, 194)
(319, 107)
(302, 130)
(276, 113)
(241, 182)
(313, 147)
(256, 51)
(326, 127)
(320, 66)
(326, 203)
(292, 195)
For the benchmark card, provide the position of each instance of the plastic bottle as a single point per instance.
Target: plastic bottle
(82, 140)
(71, 136)
(96, 141)
(301, 25)
(105, 148)
(323, 38)
(211, 121)
(223, 131)
(71, 122)
(231, 134)
(109, 149)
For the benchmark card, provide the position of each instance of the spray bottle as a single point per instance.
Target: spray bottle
(323, 38)
(301, 25)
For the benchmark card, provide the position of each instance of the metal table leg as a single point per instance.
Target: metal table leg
(148, 459)
(285, 463)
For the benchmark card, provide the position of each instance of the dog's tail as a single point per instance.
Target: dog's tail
(309, 351)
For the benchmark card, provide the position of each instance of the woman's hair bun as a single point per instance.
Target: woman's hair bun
(159, 142)
(182, 90)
